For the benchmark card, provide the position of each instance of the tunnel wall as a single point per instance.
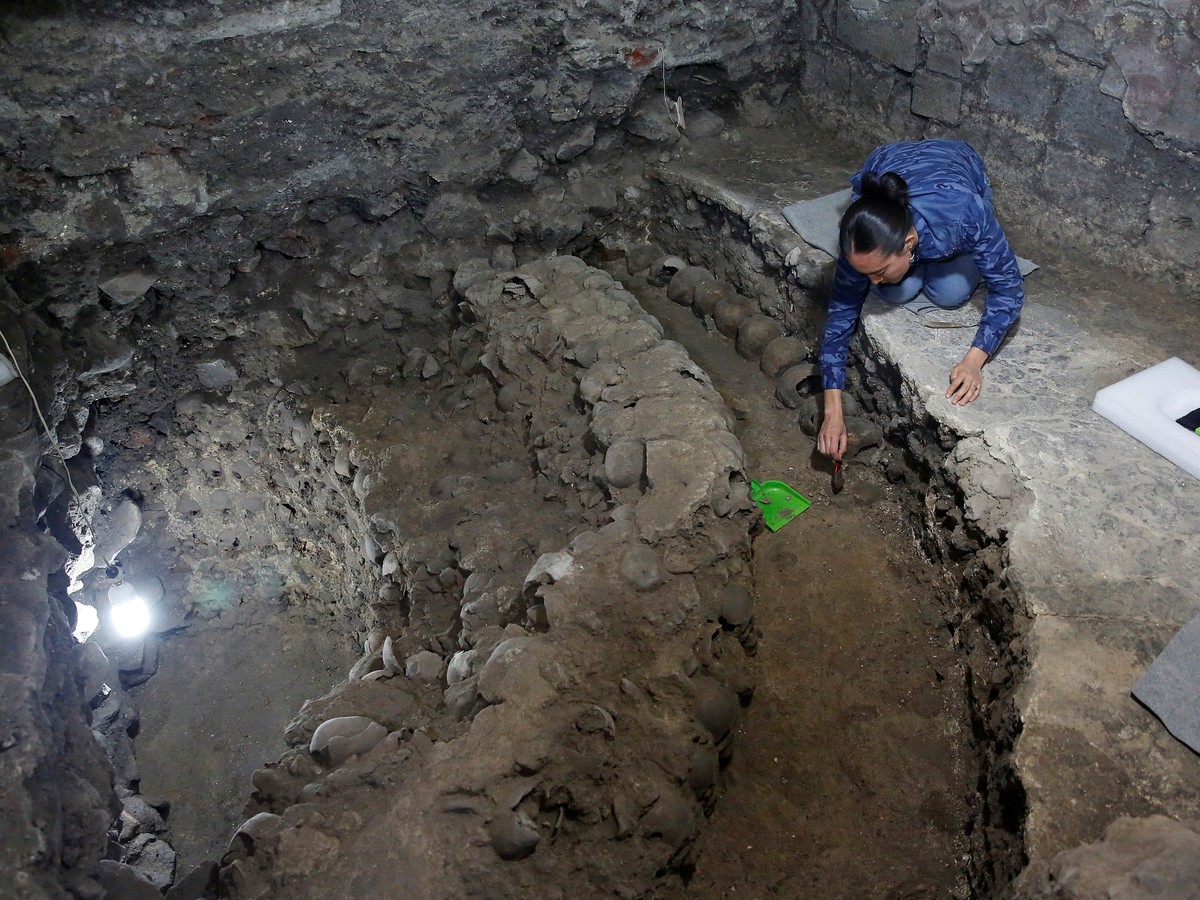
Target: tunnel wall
(131, 121)
(1086, 113)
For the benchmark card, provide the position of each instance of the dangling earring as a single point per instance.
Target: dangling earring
(912, 257)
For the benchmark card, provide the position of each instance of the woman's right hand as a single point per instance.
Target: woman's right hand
(831, 439)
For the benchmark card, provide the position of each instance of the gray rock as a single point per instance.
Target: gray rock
(596, 720)
(455, 215)
(462, 698)
(414, 362)
(702, 774)
(216, 375)
(1138, 859)
(92, 669)
(368, 663)
(391, 662)
(513, 835)
(258, 834)
(508, 397)
(661, 271)
(198, 884)
(597, 195)
(125, 289)
(653, 123)
(512, 670)
(524, 167)
(704, 123)
(139, 817)
(641, 567)
(577, 142)
(595, 380)
(755, 333)
(461, 666)
(105, 354)
(861, 433)
(120, 880)
(163, 420)
(153, 859)
(470, 273)
(504, 258)
(625, 463)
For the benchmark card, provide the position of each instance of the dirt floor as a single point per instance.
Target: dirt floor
(247, 674)
(852, 774)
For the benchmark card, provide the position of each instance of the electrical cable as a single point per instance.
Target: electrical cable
(12, 358)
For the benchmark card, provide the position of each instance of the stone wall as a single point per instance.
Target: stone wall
(129, 122)
(1086, 113)
(557, 728)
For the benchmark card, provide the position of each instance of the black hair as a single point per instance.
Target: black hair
(879, 219)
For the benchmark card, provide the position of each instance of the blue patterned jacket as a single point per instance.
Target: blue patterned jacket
(951, 203)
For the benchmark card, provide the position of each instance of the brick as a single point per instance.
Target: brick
(1087, 120)
(885, 30)
(1021, 85)
(945, 56)
(827, 75)
(937, 97)
(1077, 40)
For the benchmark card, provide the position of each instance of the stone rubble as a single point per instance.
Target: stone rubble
(550, 729)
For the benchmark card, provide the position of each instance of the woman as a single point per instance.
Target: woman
(921, 221)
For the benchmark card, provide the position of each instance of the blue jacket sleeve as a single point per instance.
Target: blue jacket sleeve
(998, 265)
(850, 289)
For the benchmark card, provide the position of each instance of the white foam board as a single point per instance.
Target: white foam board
(1147, 404)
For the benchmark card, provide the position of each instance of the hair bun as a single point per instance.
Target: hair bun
(888, 186)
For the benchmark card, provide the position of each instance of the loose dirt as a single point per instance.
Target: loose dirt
(852, 774)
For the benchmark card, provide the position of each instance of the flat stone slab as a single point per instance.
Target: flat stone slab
(1102, 532)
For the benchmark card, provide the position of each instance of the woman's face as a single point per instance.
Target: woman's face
(884, 268)
(878, 267)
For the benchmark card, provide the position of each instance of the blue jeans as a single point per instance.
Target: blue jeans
(948, 283)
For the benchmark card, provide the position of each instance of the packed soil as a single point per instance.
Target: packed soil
(852, 774)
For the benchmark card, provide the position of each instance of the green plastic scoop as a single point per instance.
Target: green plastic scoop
(780, 503)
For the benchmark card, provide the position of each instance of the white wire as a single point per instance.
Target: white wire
(12, 357)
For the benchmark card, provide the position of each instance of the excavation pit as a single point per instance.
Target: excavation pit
(229, 224)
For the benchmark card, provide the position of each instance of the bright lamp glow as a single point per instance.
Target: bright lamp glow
(130, 615)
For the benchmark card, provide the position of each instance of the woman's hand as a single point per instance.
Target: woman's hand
(831, 439)
(966, 379)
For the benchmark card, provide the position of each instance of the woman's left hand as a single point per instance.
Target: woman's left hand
(966, 379)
